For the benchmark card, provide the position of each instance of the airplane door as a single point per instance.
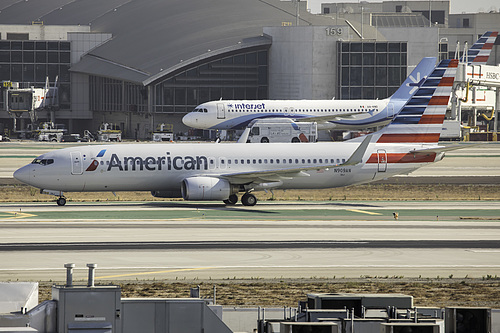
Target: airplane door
(390, 110)
(382, 160)
(76, 163)
(221, 111)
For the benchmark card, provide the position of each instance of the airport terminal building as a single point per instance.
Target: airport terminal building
(140, 63)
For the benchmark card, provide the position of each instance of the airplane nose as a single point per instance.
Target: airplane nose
(190, 120)
(23, 174)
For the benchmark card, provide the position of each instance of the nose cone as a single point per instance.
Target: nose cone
(23, 174)
(191, 119)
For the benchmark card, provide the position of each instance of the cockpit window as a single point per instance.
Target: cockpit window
(45, 161)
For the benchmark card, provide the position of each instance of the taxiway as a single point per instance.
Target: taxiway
(179, 240)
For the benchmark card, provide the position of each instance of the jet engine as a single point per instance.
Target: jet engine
(207, 188)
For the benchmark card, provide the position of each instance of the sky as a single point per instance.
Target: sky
(456, 6)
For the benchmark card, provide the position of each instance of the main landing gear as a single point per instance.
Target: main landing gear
(247, 199)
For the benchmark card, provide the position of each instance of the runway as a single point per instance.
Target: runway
(203, 241)
(273, 240)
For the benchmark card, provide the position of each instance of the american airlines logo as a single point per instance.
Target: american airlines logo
(151, 163)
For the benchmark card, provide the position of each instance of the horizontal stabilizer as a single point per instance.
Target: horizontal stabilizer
(440, 149)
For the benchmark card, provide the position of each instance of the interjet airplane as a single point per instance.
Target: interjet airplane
(329, 114)
(237, 114)
(221, 171)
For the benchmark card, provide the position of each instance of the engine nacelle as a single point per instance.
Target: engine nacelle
(207, 188)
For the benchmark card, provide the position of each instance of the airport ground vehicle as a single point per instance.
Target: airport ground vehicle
(109, 132)
(282, 130)
(163, 132)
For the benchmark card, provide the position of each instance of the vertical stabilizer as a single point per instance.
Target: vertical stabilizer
(480, 52)
(421, 119)
(415, 79)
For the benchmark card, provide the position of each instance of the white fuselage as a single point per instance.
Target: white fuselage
(163, 167)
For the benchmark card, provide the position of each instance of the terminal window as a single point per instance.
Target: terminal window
(370, 70)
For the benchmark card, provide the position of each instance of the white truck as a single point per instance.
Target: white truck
(280, 130)
(49, 131)
(109, 132)
(164, 132)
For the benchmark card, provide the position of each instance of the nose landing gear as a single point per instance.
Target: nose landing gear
(61, 201)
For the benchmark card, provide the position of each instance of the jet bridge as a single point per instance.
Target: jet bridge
(23, 101)
(476, 95)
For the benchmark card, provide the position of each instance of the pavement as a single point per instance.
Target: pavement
(201, 240)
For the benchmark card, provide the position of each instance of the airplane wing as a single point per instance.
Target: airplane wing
(277, 175)
(322, 119)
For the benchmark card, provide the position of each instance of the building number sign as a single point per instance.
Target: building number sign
(334, 31)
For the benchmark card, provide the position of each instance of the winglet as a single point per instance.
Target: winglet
(244, 137)
(358, 154)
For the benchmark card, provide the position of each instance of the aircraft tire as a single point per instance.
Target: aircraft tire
(232, 200)
(248, 199)
(264, 140)
(294, 140)
(61, 201)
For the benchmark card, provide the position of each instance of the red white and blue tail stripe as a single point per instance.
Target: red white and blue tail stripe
(421, 119)
(479, 53)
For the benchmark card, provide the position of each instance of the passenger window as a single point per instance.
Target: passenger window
(343, 160)
(303, 161)
(314, 161)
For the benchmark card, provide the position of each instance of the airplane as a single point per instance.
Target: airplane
(237, 114)
(479, 53)
(220, 171)
(329, 114)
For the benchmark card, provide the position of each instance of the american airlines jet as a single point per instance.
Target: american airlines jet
(234, 114)
(479, 53)
(210, 171)
(329, 114)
